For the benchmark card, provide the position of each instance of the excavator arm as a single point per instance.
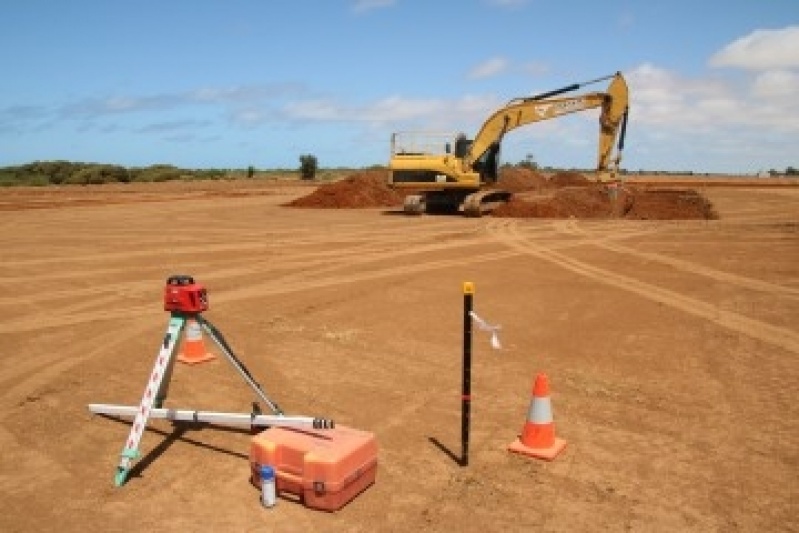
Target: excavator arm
(523, 111)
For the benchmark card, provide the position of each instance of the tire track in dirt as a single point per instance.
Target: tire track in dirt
(39, 370)
(765, 206)
(283, 285)
(355, 246)
(272, 241)
(28, 374)
(313, 264)
(399, 270)
(318, 268)
(304, 265)
(267, 241)
(508, 234)
(572, 228)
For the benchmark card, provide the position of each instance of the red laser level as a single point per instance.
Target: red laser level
(183, 295)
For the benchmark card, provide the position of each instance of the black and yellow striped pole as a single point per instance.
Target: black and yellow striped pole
(466, 396)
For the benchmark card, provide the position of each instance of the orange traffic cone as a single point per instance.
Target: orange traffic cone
(538, 435)
(193, 351)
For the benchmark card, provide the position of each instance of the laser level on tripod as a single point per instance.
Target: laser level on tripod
(185, 300)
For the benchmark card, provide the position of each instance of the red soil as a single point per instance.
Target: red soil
(363, 189)
(562, 195)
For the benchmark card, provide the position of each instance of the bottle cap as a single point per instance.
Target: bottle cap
(267, 472)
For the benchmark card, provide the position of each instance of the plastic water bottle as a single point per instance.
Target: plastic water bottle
(268, 492)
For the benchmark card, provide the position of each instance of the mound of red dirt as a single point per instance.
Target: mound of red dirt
(595, 200)
(669, 204)
(568, 179)
(515, 179)
(370, 189)
(563, 195)
(577, 202)
(360, 190)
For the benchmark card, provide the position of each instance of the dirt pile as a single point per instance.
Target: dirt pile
(370, 189)
(520, 179)
(568, 179)
(562, 195)
(670, 204)
(594, 200)
(363, 189)
(577, 202)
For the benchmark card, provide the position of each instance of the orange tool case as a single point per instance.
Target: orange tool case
(324, 468)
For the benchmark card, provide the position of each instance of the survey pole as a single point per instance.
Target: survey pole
(466, 395)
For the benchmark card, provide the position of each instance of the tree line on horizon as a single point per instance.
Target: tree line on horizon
(43, 173)
(73, 173)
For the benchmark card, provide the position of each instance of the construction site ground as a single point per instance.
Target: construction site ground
(670, 345)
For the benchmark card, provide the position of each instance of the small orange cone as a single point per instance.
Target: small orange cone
(538, 435)
(193, 351)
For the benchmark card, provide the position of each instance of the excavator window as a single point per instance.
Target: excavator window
(462, 145)
(488, 164)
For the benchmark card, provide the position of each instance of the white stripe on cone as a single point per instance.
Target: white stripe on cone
(540, 411)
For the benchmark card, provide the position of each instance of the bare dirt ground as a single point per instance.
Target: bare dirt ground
(671, 348)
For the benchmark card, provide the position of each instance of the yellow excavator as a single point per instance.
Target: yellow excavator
(450, 172)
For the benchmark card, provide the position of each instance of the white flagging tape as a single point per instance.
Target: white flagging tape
(485, 326)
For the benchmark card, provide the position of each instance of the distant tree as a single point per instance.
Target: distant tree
(529, 162)
(308, 166)
(250, 171)
(790, 171)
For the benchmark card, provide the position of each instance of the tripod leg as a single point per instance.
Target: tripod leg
(217, 337)
(163, 388)
(154, 384)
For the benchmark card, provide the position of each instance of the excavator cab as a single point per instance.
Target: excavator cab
(462, 146)
(488, 164)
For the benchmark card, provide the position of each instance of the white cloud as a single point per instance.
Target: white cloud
(174, 125)
(702, 123)
(661, 97)
(712, 123)
(231, 97)
(761, 50)
(776, 84)
(395, 108)
(315, 110)
(248, 117)
(488, 68)
(362, 6)
(397, 111)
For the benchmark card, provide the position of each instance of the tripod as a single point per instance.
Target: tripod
(185, 300)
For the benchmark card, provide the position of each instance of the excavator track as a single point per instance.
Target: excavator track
(414, 204)
(483, 202)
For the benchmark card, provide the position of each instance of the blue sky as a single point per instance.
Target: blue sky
(228, 84)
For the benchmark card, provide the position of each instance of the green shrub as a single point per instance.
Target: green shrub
(157, 173)
(39, 181)
(308, 166)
